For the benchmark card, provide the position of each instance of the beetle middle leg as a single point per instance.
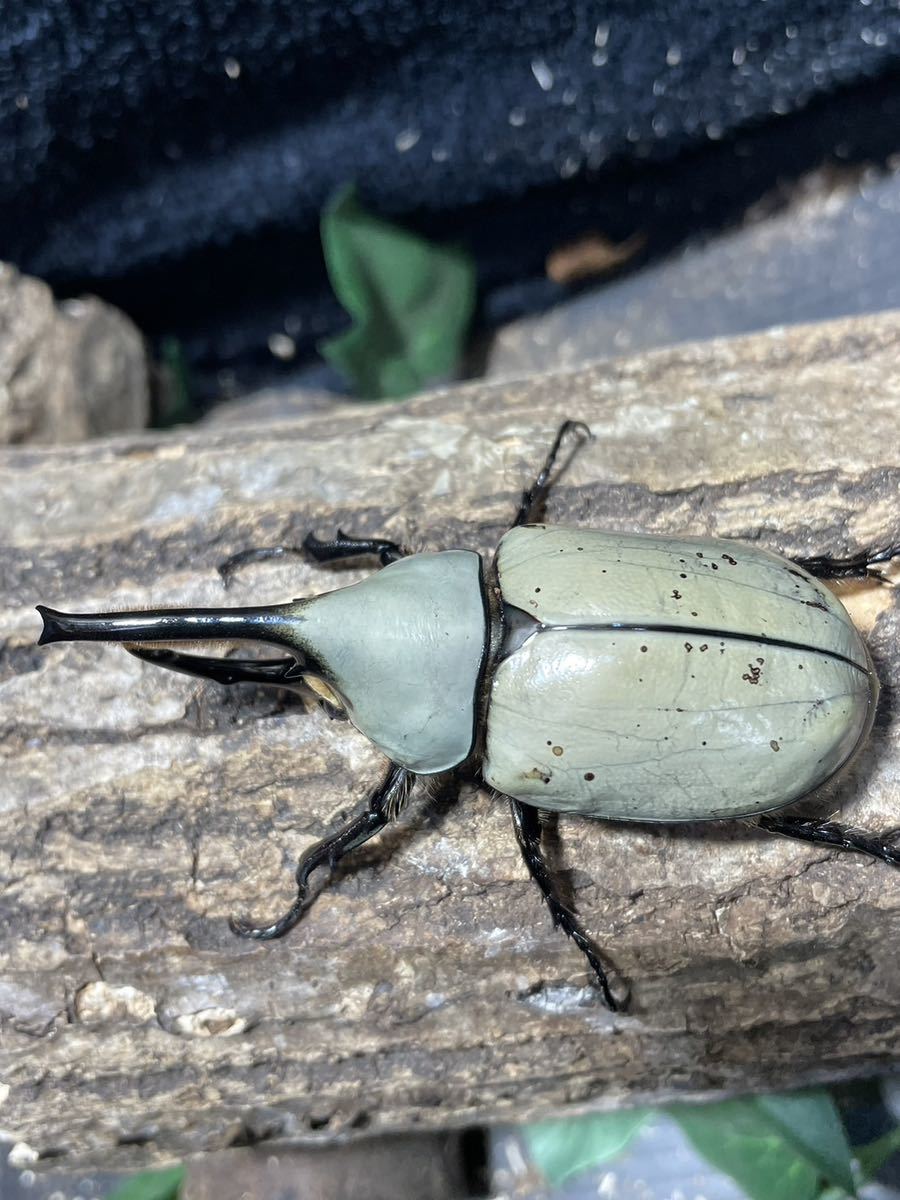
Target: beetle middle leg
(535, 496)
(342, 545)
(385, 805)
(527, 824)
(862, 565)
(830, 833)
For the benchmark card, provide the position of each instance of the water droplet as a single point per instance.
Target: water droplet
(673, 56)
(406, 139)
(601, 35)
(569, 96)
(542, 74)
(599, 58)
(232, 68)
(439, 154)
(282, 346)
(517, 117)
(739, 56)
(21, 102)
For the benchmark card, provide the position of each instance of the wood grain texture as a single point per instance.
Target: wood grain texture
(138, 809)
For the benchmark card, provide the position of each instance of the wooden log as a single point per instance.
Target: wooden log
(425, 988)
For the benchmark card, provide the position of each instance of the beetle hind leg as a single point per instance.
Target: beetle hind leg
(527, 824)
(830, 833)
(385, 805)
(862, 565)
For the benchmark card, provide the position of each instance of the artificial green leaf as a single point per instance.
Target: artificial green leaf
(872, 1157)
(560, 1149)
(411, 301)
(152, 1185)
(810, 1123)
(174, 402)
(737, 1137)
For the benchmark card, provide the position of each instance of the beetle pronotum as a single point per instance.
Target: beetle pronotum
(633, 677)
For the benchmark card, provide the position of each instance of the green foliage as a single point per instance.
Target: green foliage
(811, 1124)
(560, 1149)
(152, 1185)
(774, 1147)
(411, 301)
(791, 1146)
(872, 1157)
(174, 401)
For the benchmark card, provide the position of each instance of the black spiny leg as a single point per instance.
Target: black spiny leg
(829, 833)
(861, 565)
(527, 824)
(534, 497)
(341, 546)
(345, 546)
(385, 805)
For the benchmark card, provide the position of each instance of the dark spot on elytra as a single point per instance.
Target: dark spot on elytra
(760, 661)
(715, 566)
(752, 675)
(676, 595)
(681, 575)
(537, 589)
(688, 646)
(537, 773)
(774, 745)
(643, 649)
(589, 775)
(699, 553)
(729, 559)
(705, 646)
(557, 750)
(693, 614)
(816, 604)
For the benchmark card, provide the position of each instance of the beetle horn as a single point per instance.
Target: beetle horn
(276, 624)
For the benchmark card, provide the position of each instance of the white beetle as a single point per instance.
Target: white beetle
(613, 675)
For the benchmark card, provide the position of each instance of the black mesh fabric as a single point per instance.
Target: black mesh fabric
(174, 156)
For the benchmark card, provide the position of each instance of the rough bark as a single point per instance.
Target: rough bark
(138, 809)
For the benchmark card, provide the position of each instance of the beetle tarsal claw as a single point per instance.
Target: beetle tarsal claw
(243, 928)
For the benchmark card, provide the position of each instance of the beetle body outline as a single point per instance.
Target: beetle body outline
(534, 669)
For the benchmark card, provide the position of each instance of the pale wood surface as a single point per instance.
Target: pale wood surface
(139, 808)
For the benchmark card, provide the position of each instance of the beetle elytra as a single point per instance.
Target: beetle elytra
(641, 678)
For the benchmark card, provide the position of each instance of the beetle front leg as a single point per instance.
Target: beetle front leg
(527, 824)
(340, 546)
(861, 565)
(385, 805)
(830, 833)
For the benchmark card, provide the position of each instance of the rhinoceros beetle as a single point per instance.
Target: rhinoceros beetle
(614, 675)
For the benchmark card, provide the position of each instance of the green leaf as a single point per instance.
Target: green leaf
(152, 1185)
(739, 1138)
(872, 1157)
(811, 1125)
(560, 1149)
(411, 301)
